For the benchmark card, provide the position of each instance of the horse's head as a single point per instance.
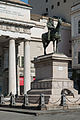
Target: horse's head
(60, 20)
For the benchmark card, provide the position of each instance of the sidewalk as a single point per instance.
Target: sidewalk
(34, 112)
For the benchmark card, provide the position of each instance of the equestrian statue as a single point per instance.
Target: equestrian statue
(53, 34)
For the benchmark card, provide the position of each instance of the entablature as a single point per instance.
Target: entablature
(15, 26)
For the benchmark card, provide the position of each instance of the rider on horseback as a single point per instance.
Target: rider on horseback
(50, 26)
(52, 34)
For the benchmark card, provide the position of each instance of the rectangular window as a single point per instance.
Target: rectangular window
(46, 1)
(22, 61)
(58, 3)
(0, 61)
(70, 41)
(46, 9)
(78, 57)
(64, 1)
(70, 51)
(79, 27)
(52, 7)
(0, 89)
(18, 61)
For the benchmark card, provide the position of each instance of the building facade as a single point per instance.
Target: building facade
(14, 30)
(75, 21)
(53, 8)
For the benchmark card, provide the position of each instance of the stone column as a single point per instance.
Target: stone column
(27, 80)
(18, 80)
(12, 67)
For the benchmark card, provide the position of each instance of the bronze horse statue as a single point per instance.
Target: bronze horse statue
(54, 36)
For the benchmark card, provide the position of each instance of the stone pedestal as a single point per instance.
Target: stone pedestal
(52, 77)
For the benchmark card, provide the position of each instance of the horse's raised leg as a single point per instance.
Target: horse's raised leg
(55, 46)
(44, 51)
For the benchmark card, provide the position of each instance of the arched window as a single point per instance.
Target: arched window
(79, 27)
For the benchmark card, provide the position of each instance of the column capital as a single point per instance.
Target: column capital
(26, 40)
(10, 38)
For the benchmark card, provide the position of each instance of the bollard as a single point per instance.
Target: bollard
(1, 99)
(12, 100)
(42, 105)
(26, 102)
(42, 100)
(64, 100)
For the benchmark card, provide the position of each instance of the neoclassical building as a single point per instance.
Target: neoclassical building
(21, 41)
(15, 28)
(75, 21)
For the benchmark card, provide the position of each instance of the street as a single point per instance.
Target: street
(60, 116)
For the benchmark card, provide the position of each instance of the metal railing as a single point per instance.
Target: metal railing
(41, 101)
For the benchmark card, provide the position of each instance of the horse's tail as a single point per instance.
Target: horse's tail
(45, 39)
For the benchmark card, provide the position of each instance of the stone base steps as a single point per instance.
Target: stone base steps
(33, 99)
(39, 91)
(58, 107)
(20, 99)
(74, 106)
(54, 107)
(41, 84)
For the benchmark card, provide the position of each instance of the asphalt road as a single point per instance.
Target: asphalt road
(60, 116)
